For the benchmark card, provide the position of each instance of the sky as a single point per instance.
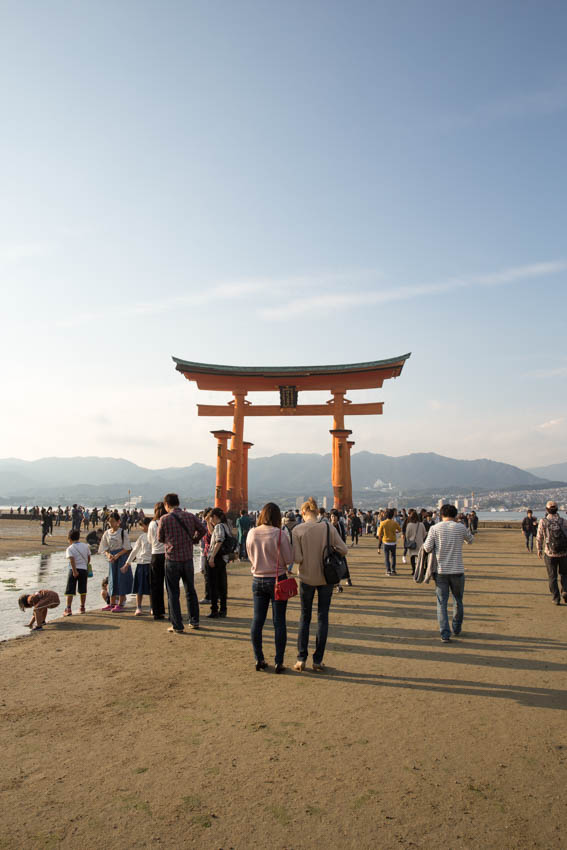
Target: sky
(283, 183)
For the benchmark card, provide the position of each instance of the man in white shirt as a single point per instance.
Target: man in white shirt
(446, 539)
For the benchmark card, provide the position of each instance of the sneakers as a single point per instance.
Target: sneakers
(107, 608)
(138, 612)
(299, 666)
(176, 631)
(445, 640)
(319, 668)
(204, 601)
(82, 610)
(67, 612)
(194, 626)
(117, 609)
(404, 559)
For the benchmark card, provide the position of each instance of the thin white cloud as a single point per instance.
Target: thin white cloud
(556, 372)
(13, 252)
(355, 298)
(552, 423)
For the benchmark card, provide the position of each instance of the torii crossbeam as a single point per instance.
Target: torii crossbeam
(232, 488)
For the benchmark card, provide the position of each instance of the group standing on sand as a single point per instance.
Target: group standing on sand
(163, 555)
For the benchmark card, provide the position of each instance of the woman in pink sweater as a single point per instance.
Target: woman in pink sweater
(270, 552)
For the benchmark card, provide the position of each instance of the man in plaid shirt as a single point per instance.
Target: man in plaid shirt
(180, 530)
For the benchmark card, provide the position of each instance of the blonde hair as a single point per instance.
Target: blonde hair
(310, 506)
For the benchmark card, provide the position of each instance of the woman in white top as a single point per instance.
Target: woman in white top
(142, 554)
(414, 537)
(157, 564)
(115, 544)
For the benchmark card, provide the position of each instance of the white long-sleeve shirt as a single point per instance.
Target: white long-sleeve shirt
(157, 548)
(142, 550)
(446, 540)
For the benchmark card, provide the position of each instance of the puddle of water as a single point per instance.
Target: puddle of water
(46, 571)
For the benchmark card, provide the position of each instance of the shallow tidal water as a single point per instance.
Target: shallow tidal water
(39, 572)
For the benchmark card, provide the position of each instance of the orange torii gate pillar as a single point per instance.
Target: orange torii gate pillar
(232, 464)
(245, 449)
(222, 461)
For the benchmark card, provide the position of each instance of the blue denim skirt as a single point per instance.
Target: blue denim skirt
(119, 584)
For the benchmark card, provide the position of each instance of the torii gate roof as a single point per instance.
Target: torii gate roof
(354, 376)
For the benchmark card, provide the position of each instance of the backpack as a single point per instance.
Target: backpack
(555, 537)
(229, 543)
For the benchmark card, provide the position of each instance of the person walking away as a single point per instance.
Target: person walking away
(288, 524)
(115, 544)
(270, 552)
(552, 546)
(529, 529)
(387, 531)
(446, 539)
(141, 553)
(157, 564)
(309, 544)
(414, 537)
(243, 526)
(45, 527)
(217, 560)
(79, 556)
(180, 530)
(355, 527)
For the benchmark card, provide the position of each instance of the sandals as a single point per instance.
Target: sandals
(67, 612)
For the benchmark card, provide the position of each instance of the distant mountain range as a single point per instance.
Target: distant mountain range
(555, 470)
(98, 480)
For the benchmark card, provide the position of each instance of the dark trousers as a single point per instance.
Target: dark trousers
(218, 585)
(174, 572)
(555, 566)
(390, 557)
(306, 596)
(529, 541)
(157, 580)
(263, 595)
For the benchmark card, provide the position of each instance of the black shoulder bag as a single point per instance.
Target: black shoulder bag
(334, 564)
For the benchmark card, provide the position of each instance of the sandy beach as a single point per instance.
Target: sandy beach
(118, 734)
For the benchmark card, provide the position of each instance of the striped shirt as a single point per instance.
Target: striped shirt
(446, 540)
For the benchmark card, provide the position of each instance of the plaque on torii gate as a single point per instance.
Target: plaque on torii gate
(231, 492)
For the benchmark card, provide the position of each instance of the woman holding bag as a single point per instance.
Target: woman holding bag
(309, 544)
(270, 552)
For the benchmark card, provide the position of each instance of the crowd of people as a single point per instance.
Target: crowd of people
(277, 547)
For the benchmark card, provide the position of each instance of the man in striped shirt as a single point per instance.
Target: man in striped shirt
(446, 539)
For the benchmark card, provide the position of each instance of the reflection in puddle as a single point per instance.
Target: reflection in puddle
(45, 571)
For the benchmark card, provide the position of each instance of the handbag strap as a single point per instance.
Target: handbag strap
(278, 558)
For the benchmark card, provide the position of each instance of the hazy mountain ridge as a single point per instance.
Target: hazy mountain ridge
(553, 471)
(61, 480)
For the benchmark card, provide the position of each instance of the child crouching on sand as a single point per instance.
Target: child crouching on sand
(40, 602)
(142, 554)
(104, 591)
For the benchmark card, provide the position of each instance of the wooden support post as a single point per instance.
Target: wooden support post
(340, 469)
(222, 460)
(245, 449)
(350, 444)
(234, 494)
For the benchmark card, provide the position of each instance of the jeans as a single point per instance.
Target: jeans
(306, 595)
(390, 555)
(243, 555)
(456, 584)
(263, 594)
(555, 566)
(157, 577)
(175, 571)
(529, 541)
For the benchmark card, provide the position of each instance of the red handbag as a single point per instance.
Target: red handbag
(285, 588)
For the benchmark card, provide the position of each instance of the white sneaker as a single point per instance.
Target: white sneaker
(404, 560)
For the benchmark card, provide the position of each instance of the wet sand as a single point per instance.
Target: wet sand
(23, 537)
(118, 734)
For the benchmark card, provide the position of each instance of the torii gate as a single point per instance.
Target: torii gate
(231, 492)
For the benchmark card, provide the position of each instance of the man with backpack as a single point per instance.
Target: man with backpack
(552, 546)
(180, 530)
(223, 544)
